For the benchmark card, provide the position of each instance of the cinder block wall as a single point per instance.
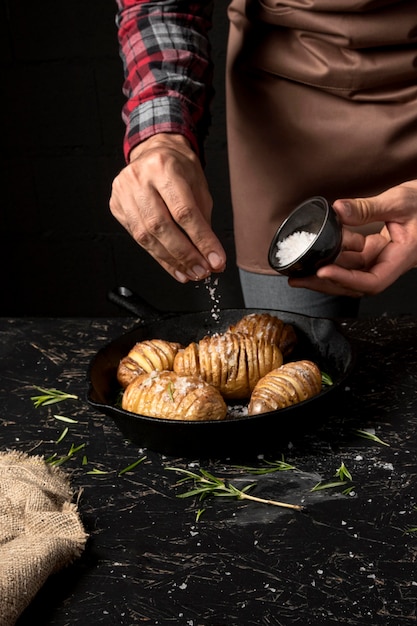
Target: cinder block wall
(61, 251)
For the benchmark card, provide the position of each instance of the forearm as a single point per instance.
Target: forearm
(168, 70)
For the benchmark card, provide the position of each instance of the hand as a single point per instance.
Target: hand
(368, 264)
(162, 199)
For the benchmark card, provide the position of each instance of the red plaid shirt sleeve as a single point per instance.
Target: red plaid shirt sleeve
(165, 49)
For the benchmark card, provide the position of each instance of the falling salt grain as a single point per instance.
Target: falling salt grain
(211, 286)
(293, 246)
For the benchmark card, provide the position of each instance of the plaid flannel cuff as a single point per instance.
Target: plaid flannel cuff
(160, 115)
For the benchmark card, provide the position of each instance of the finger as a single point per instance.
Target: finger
(389, 266)
(352, 241)
(357, 258)
(156, 232)
(337, 280)
(191, 210)
(326, 285)
(154, 229)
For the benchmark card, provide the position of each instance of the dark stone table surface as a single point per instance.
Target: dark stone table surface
(345, 558)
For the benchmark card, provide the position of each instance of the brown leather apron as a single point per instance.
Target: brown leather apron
(319, 102)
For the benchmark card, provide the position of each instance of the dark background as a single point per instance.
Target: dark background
(61, 251)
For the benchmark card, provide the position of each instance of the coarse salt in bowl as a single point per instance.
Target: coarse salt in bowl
(309, 238)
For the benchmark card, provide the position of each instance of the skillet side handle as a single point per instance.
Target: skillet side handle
(126, 299)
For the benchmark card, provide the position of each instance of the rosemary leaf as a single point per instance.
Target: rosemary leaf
(62, 435)
(330, 485)
(271, 466)
(195, 492)
(367, 435)
(51, 458)
(59, 460)
(131, 466)
(326, 379)
(171, 391)
(63, 418)
(73, 449)
(199, 514)
(343, 473)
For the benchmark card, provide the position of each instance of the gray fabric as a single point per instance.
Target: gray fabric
(261, 291)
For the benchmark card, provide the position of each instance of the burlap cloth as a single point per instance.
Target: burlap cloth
(40, 530)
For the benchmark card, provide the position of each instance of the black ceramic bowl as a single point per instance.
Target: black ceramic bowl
(309, 238)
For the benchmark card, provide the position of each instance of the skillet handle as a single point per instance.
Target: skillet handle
(126, 299)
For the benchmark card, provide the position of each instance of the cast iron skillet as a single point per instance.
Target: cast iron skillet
(320, 340)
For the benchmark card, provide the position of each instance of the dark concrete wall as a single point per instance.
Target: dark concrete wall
(61, 251)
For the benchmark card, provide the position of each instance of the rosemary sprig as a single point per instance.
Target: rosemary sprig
(205, 484)
(51, 396)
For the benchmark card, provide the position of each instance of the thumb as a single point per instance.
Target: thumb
(358, 211)
(366, 215)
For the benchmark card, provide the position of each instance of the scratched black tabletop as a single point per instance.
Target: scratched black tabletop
(152, 557)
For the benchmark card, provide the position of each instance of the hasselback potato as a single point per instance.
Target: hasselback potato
(284, 386)
(231, 362)
(269, 328)
(171, 396)
(146, 356)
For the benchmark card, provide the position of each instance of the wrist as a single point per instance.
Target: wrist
(160, 140)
